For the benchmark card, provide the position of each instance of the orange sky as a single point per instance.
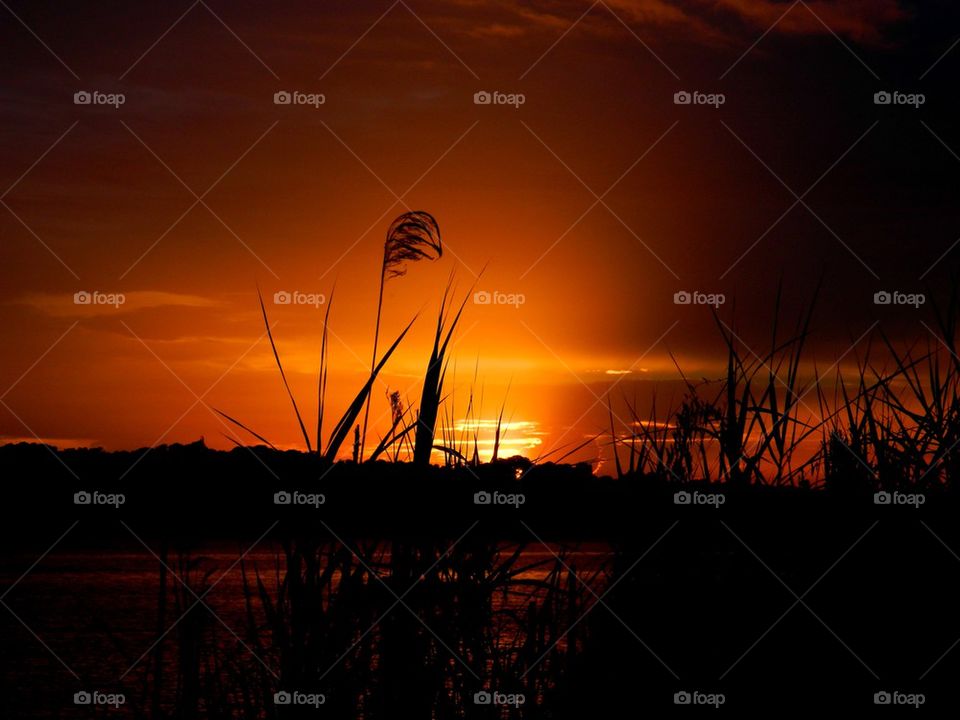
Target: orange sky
(298, 199)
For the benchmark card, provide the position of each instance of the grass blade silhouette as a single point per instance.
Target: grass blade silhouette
(352, 412)
(324, 371)
(283, 375)
(433, 382)
(391, 438)
(497, 437)
(239, 424)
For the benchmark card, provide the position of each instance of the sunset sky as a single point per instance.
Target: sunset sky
(594, 202)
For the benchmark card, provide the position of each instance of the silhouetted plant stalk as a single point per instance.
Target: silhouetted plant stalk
(431, 395)
(349, 417)
(283, 376)
(746, 427)
(412, 237)
(326, 622)
(893, 424)
(899, 427)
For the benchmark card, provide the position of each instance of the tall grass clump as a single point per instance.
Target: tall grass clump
(746, 427)
(411, 237)
(899, 420)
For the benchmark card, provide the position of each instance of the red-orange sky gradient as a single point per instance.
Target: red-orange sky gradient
(596, 200)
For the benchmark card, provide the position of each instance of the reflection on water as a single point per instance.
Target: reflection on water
(95, 614)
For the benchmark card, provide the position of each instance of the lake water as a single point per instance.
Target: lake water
(94, 614)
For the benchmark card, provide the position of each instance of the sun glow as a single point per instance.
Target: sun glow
(516, 437)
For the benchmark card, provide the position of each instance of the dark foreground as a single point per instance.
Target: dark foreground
(398, 594)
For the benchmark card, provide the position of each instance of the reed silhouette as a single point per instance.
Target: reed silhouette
(705, 564)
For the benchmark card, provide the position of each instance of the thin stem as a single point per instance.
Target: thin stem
(373, 360)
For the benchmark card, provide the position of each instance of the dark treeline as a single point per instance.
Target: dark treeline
(210, 494)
